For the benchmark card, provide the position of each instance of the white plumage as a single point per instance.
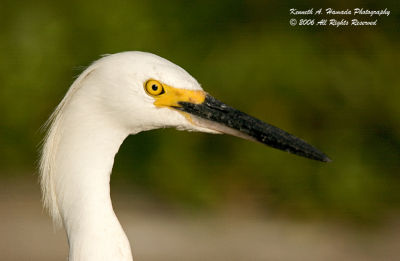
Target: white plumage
(102, 107)
(105, 104)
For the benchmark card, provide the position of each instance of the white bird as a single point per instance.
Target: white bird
(119, 95)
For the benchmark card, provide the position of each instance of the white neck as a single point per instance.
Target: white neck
(83, 164)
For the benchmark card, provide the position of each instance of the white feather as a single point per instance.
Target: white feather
(103, 106)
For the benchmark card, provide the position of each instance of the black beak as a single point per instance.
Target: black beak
(223, 118)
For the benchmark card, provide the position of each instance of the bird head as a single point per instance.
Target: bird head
(142, 91)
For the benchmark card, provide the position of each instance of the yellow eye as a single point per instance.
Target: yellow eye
(154, 87)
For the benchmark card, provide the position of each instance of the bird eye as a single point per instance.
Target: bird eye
(154, 87)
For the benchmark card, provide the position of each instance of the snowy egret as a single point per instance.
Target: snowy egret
(119, 95)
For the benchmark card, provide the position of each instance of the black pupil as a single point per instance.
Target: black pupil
(154, 87)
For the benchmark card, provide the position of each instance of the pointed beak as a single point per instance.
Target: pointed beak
(205, 111)
(217, 116)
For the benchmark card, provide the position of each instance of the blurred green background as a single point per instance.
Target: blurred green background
(337, 88)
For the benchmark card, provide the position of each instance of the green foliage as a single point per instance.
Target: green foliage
(337, 88)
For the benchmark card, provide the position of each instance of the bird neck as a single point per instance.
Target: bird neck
(82, 169)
